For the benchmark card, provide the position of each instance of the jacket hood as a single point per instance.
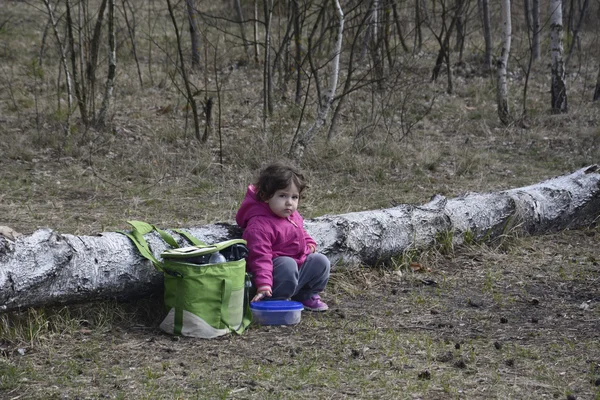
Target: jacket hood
(251, 207)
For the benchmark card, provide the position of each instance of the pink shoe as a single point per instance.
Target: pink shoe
(315, 304)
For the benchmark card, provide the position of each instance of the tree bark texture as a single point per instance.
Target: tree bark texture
(502, 63)
(47, 267)
(597, 89)
(558, 87)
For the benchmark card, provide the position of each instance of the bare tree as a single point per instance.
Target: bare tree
(535, 20)
(63, 56)
(398, 25)
(131, 29)
(348, 82)
(502, 63)
(92, 60)
(112, 65)
(188, 89)
(267, 75)
(443, 39)
(255, 29)
(418, 44)
(558, 86)
(298, 44)
(576, 31)
(191, 11)
(300, 143)
(487, 34)
(79, 91)
(240, 17)
(597, 90)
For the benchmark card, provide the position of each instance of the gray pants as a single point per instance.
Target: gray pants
(299, 284)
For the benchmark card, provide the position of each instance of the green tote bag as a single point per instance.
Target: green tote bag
(205, 298)
(204, 294)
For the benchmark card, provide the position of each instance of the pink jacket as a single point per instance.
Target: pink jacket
(270, 236)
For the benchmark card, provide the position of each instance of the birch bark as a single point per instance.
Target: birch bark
(558, 87)
(47, 267)
(502, 63)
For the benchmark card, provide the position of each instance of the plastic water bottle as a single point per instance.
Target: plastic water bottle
(216, 258)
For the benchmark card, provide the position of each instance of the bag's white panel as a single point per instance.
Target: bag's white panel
(235, 308)
(193, 326)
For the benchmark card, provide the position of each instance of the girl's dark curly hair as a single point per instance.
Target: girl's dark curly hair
(275, 177)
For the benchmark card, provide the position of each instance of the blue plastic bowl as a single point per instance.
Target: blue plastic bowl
(276, 312)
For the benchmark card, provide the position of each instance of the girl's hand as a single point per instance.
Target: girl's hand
(262, 292)
(313, 248)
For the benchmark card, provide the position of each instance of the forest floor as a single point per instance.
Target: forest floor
(520, 320)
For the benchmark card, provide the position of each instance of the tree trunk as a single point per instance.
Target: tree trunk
(487, 34)
(576, 31)
(195, 37)
(398, 26)
(558, 86)
(267, 78)
(298, 54)
(112, 65)
(188, 89)
(63, 58)
(92, 62)
(47, 267)
(299, 144)
(348, 83)
(240, 18)
(597, 90)
(535, 17)
(502, 63)
(79, 92)
(418, 44)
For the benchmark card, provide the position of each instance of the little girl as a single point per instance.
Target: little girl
(282, 255)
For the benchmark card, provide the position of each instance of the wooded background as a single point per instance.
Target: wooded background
(314, 56)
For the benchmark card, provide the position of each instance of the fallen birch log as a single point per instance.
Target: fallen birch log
(47, 267)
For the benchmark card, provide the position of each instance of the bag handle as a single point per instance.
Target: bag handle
(192, 239)
(137, 237)
(141, 228)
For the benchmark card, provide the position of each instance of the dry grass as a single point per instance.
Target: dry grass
(496, 320)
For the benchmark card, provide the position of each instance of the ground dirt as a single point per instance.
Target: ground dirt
(517, 321)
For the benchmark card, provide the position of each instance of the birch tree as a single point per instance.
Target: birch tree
(300, 143)
(48, 267)
(502, 63)
(558, 87)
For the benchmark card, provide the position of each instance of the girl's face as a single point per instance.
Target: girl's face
(285, 201)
